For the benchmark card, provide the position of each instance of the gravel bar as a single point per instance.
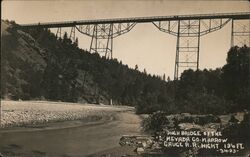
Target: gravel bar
(19, 113)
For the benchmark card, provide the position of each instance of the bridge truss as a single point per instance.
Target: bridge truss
(187, 28)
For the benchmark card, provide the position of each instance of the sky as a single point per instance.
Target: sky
(144, 45)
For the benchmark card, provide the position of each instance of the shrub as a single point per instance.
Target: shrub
(155, 122)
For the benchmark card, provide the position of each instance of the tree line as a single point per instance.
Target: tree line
(73, 73)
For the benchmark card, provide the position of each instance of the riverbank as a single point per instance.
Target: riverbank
(27, 113)
(65, 129)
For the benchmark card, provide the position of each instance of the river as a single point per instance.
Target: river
(75, 138)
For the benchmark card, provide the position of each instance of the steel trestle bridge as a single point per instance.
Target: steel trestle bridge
(187, 28)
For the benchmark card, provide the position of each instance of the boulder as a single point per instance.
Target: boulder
(139, 150)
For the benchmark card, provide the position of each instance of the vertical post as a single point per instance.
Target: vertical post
(107, 50)
(169, 25)
(111, 47)
(92, 39)
(198, 50)
(72, 34)
(96, 38)
(58, 33)
(232, 33)
(177, 53)
(209, 25)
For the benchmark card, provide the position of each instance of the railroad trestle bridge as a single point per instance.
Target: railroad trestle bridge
(187, 28)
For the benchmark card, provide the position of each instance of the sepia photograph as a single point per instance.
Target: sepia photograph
(125, 78)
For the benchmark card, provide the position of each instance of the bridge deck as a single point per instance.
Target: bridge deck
(240, 15)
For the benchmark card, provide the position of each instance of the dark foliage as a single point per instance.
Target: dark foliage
(103, 78)
(236, 77)
(155, 122)
(217, 91)
(72, 73)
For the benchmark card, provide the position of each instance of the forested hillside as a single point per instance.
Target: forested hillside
(37, 65)
(68, 73)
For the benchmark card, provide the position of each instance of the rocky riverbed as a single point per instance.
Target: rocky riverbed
(80, 137)
(19, 113)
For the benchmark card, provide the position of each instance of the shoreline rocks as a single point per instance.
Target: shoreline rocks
(19, 113)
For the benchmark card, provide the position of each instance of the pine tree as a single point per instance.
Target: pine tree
(164, 77)
(136, 67)
(168, 79)
(76, 42)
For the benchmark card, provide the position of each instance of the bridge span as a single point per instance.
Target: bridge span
(187, 28)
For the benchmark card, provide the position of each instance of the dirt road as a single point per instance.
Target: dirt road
(71, 138)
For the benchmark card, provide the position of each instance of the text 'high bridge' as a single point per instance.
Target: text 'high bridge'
(187, 28)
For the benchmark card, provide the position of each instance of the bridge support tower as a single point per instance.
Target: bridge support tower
(188, 33)
(102, 36)
(240, 32)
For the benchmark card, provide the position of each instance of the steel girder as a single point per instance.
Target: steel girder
(103, 34)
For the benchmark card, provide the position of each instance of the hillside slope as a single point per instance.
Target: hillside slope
(23, 64)
(31, 71)
(37, 65)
